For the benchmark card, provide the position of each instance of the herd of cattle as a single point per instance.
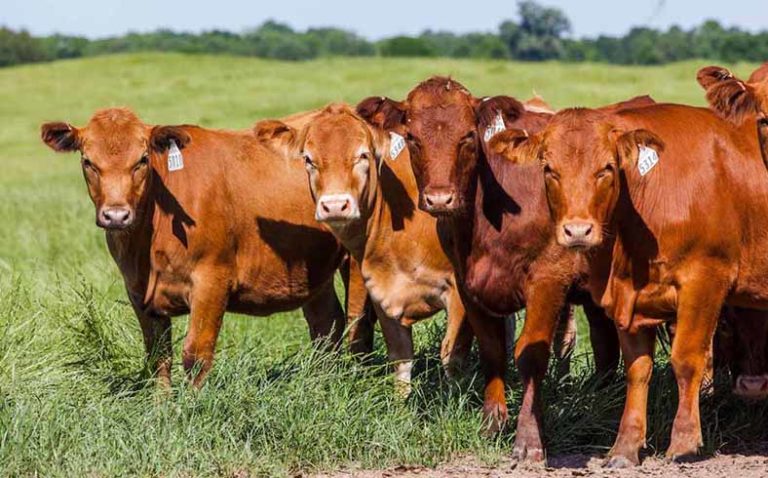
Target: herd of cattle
(646, 214)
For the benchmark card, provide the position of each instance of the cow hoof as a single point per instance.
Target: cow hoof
(620, 461)
(525, 454)
(682, 455)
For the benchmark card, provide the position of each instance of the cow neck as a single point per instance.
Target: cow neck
(462, 223)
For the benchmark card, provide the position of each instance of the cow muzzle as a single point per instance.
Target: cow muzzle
(752, 387)
(578, 234)
(337, 208)
(115, 217)
(439, 202)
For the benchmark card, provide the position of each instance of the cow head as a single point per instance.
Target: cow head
(582, 156)
(340, 152)
(444, 126)
(116, 150)
(741, 344)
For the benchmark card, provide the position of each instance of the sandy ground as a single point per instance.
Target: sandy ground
(720, 466)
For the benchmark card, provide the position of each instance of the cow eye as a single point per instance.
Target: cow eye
(143, 161)
(87, 163)
(549, 172)
(605, 172)
(364, 156)
(308, 161)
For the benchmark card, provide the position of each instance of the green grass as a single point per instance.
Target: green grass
(72, 398)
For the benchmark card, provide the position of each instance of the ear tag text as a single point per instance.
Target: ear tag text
(496, 127)
(175, 159)
(647, 158)
(396, 145)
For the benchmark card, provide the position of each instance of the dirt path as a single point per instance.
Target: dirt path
(720, 466)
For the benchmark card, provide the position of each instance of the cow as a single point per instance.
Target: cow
(367, 199)
(503, 244)
(667, 203)
(203, 221)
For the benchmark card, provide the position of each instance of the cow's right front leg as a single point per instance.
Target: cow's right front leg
(156, 330)
(638, 363)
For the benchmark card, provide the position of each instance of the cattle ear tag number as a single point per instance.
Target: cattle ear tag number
(396, 145)
(496, 127)
(647, 158)
(175, 159)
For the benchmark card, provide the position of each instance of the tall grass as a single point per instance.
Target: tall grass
(74, 398)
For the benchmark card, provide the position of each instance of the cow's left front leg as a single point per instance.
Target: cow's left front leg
(699, 301)
(457, 342)
(209, 295)
(544, 301)
(399, 340)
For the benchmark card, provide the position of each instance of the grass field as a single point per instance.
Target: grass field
(71, 399)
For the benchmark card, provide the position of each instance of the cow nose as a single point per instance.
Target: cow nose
(578, 233)
(752, 386)
(439, 201)
(336, 207)
(115, 217)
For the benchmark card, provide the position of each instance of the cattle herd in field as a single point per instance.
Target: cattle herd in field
(646, 214)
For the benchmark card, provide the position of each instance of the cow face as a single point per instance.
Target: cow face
(440, 121)
(115, 149)
(581, 156)
(340, 153)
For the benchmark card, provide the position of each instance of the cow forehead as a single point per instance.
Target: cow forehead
(336, 134)
(115, 132)
(442, 119)
(577, 140)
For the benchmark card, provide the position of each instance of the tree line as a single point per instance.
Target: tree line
(540, 33)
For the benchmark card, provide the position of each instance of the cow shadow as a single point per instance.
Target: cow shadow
(167, 202)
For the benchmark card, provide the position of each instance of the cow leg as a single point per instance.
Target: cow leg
(325, 317)
(638, 363)
(360, 316)
(565, 340)
(605, 342)
(208, 304)
(493, 358)
(543, 304)
(699, 303)
(457, 342)
(399, 340)
(158, 346)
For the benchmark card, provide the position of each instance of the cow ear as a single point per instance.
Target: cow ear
(161, 136)
(488, 110)
(515, 145)
(278, 136)
(60, 137)
(628, 143)
(382, 112)
(727, 95)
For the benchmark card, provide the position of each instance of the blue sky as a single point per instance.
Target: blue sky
(372, 19)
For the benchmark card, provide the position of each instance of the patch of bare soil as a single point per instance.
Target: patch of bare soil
(719, 466)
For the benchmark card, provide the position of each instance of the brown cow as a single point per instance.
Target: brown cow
(368, 201)
(685, 194)
(220, 224)
(504, 251)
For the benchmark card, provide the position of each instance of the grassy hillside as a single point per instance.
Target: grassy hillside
(71, 399)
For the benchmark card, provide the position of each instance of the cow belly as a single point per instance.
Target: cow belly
(401, 296)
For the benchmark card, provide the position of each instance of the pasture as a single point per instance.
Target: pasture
(73, 399)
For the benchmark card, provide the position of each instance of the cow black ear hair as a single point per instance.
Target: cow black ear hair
(728, 96)
(60, 136)
(161, 136)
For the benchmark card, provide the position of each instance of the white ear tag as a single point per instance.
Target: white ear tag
(647, 158)
(175, 159)
(396, 145)
(496, 127)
